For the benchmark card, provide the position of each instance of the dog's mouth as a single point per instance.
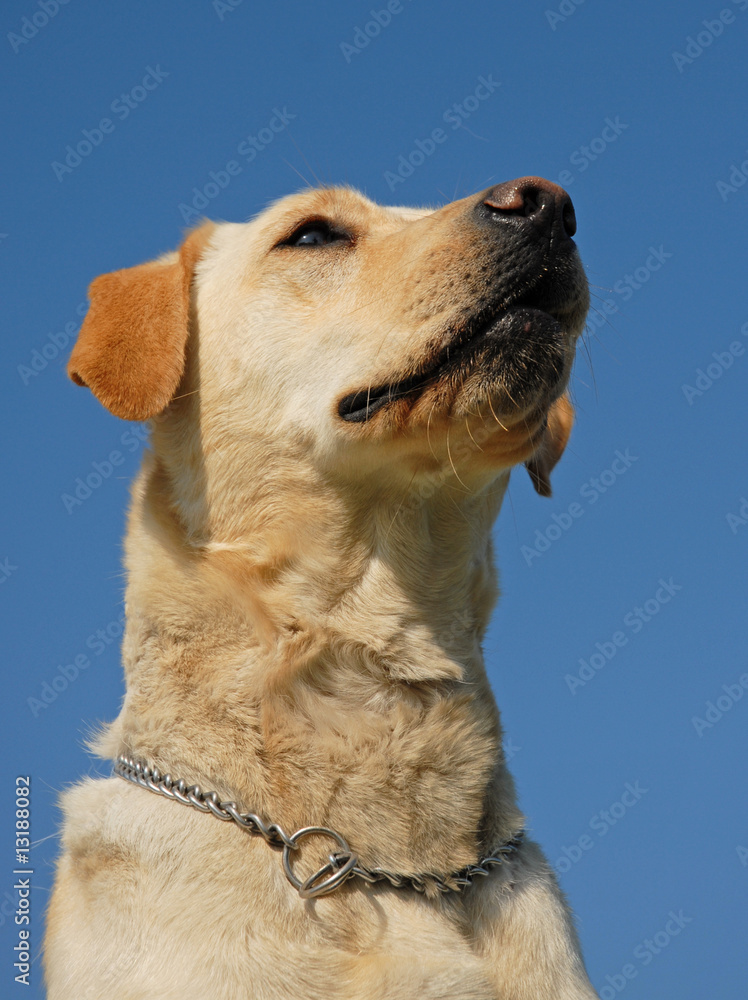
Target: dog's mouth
(521, 347)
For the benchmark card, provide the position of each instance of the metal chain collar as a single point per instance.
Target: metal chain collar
(341, 865)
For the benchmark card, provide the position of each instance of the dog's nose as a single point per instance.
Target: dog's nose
(534, 199)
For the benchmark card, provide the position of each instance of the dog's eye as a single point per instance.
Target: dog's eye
(315, 234)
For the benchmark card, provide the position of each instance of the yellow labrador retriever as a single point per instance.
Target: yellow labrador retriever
(338, 392)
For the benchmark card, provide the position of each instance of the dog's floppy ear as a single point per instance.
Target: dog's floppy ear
(130, 349)
(560, 421)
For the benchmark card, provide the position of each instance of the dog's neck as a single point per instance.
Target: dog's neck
(320, 662)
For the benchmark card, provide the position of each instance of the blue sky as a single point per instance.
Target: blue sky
(623, 609)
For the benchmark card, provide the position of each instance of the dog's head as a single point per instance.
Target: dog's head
(386, 341)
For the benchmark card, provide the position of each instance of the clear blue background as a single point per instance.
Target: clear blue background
(655, 185)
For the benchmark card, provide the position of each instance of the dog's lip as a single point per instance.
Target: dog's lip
(360, 405)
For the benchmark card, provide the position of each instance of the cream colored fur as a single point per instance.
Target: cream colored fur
(306, 601)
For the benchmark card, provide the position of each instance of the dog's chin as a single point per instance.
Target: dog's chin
(514, 365)
(518, 367)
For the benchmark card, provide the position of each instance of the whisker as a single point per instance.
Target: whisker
(308, 165)
(296, 171)
(428, 431)
(470, 434)
(400, 505)
(490, 404)
(454, 469)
